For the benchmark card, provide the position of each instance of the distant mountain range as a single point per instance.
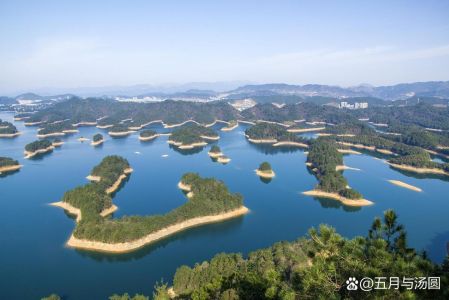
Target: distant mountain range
(434, 92)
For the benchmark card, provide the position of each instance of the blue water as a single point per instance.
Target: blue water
(34, 261)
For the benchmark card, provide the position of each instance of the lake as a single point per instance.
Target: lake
(34, 261)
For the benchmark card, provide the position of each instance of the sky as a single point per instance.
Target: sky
(69, 44)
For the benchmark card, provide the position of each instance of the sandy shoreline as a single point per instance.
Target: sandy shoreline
(299, 130)
(287, 143)
(265, 174)
(85, 124)
(405, 185)
(419, 170)
(155, 236)
(348, 151)
(117, 183)
(148, 138)
(261, 141)
(223, 159)
(180, 145)
(121, 133)
(93, 178)
(10, 135)
(97, 142)
(77, 212)
(215, 154)
(57, 144)
(105, 126)
(212, 138)
(344, 167)
(11, 168)
(335, 196)
(40, 151)
(184, 187)
(227, 128)
(359, 146)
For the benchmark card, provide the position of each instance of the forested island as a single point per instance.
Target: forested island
(97, 140)
(38, 147)
(8, 130)
(119, 130)
(274, 134)
(148, 135)
(215, 152)
(265, 170)
(324, 161)
(57, 142)
(8, 164)
(191, 135)
(58, 128)
(210, 201)
(313, 267)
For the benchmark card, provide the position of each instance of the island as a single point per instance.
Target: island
(223, 159)
(324, 159)
(57, 142)
(119, 130)
(8, 130)
(209, 201)
(265, 170)
(192, 135)
(58, 128)
(215, 152)
(148, 135)
(37, 148)
(97, 140)
(275, 134)
(8, 164)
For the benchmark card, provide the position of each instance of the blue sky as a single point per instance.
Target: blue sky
(81, 43)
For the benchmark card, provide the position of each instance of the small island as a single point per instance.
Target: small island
(190, 136)
(97, 140)
(265, 170)
(209, 201)
(405, 185)
(38, 147)
(274, 134)
(223, 159)
(8, 130)
(57, 142)
(324, 161)
(82, 139)
(56, 129)
(8, 164)
(215, 152)
(119, 130)
(148, 135)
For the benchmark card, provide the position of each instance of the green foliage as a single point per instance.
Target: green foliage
(147, 133)
(265, 131)
(210, 197)
(215, 149)
(7, 127)
(191, 133)
(313, 268)
(324, 157)
(56, 127)
(265, 167)
(118, 128)
(7, 161)
(97, 137)
(38, 145)
(126, 296)
(52, 297)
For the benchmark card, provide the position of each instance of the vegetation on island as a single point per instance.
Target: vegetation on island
(265, 167)
(314, 267)
(147, 133)
(215, 149)
(268, 131)
(210, 197)
(191, 133)
(97, 137)
(7, 127)
(7, 162)
(38, 145)
(324, 158)
(57, 127)
(118, 128)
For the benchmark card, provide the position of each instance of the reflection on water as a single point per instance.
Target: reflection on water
(265, 180)
(438, 247)
(330, 203)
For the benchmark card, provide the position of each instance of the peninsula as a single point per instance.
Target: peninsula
(275, 134)
(210, 201)
(190, 136)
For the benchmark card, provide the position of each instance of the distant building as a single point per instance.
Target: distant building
(356, 105)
